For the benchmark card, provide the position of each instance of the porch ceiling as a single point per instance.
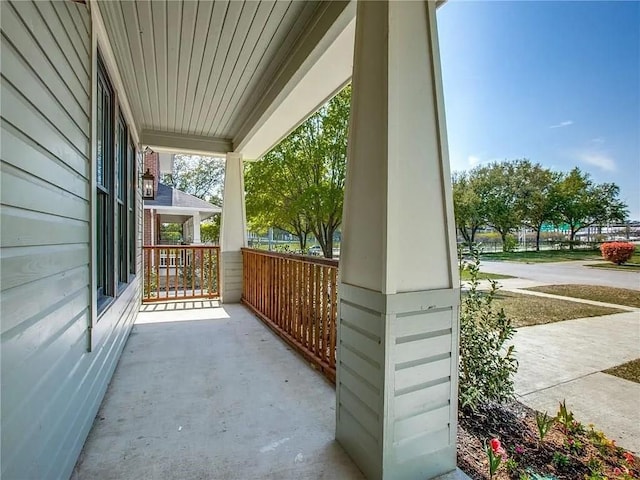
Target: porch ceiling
(206, 75)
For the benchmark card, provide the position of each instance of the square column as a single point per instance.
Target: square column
(233, 229)
(195, 218)
(398, 326)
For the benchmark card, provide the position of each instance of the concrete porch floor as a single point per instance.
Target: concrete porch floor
(211, 393)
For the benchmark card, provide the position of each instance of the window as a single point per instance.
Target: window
(104, 214)
(115, 195)
(131, 159)
(122, 209)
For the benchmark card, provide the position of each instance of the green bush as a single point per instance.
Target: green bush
(510, 244)
(487, 365)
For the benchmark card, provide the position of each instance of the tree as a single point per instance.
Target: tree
(467, 206)
(537, 196)
(497, 187)
(581, 203)
(197, 175)
(299, 185)
(273, 189)
(210, 230)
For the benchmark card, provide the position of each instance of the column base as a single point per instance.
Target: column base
(396, 388)
(231, 277)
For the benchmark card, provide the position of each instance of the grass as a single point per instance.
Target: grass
(633, 265)
(618, 296)
(628, 371)
(465, 275)
(627, 267)
(544, 256)
(526, 310)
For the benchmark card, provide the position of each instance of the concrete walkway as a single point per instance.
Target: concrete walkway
(563, 361)
(211, 393)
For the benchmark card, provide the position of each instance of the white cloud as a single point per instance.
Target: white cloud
(600, 160)
(597, 140)
(473, 160)
(566, 123)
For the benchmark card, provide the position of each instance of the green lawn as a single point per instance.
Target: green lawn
(633, 265)
(544, 256)
(465, 276)
(618, 296)
(525, 310)
(628, 371)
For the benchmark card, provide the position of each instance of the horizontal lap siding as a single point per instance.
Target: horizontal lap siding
(51, 385)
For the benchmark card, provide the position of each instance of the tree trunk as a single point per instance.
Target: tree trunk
(328, 253)
(472, 240)
(572, 235)
(503, 236)
(465, 235)
(538, 230)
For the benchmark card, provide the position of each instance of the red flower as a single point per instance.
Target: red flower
(617, 471)
(629, 457)
(495, 445)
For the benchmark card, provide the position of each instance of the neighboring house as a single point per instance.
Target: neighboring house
(172, 206)
(87, 85)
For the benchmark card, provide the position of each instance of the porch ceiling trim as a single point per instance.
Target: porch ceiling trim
(188, 144)
(319, 66)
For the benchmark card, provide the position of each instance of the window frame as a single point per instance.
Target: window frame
(102, 322)
(115, 215)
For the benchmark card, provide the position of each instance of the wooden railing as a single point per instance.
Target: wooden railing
(176, 272)
(296, 296)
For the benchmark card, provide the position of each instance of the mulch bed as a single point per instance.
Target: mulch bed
(588, 455)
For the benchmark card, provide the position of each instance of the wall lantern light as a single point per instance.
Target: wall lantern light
(148, 186)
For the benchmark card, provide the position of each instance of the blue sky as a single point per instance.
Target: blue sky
(555, 82)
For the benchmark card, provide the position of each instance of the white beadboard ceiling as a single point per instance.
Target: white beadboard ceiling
(194, 69)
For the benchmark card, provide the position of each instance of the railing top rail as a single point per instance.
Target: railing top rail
(294, 256)
(177, 247)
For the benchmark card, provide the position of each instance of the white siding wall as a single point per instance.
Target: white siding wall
(51, 385)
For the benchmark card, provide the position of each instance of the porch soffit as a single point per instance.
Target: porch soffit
(194, 69)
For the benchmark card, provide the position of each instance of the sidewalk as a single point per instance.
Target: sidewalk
(564, 360)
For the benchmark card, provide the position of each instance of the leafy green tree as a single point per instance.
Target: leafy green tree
(273, 191)
(581, 203)
(197, 175)
(299, 185)
(210, 230)
(467, 206)
(537, 195)
(497, 187)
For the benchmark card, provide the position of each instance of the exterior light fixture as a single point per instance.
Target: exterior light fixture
(148, 186)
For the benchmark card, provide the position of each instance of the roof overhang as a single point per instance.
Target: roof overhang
(320, 67)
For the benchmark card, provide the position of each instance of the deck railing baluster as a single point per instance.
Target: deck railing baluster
(296, 296)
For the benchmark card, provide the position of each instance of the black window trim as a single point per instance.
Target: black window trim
(115, 269)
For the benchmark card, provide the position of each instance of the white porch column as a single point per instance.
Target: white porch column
(195, 218)
(398, 321)
(233, 231)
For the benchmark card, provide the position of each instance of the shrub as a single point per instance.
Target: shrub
(487, 365)
(617, 252)
(510, 244)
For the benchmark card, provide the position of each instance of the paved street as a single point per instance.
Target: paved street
(558, 273)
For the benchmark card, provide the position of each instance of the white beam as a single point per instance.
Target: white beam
(398, 326)
(320, 66)
(170, 142)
